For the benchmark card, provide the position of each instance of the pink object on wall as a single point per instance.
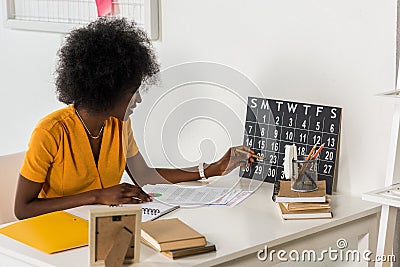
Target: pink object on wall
(104, 7)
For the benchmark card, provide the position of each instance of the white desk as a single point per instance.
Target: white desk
(239, 233)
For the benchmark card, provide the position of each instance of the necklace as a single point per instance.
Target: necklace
(86, 128)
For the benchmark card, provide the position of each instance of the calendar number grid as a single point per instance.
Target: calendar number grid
(272, 124)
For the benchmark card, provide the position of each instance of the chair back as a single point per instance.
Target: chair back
(9, 173)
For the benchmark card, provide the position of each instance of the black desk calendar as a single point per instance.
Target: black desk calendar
(271, 124)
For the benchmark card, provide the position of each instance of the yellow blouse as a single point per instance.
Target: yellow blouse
(59, 154)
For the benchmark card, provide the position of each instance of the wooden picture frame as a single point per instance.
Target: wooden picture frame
(114, 235)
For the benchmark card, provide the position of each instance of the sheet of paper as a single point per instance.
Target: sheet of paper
(186, 195)
(239, 198)
(228, 197)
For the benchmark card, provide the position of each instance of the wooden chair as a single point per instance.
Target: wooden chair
(9, 171)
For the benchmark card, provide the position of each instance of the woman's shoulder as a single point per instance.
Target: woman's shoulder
(56, 118)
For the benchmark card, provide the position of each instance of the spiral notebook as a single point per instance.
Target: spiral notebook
(150, 210)
(154, 210)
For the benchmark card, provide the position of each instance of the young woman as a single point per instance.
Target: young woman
(77, 155)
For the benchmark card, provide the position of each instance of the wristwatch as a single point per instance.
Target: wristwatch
(201, 171)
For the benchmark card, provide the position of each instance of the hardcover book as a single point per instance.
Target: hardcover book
(170, 234)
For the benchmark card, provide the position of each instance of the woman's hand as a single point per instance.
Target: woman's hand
(122, 194)
(233, 159)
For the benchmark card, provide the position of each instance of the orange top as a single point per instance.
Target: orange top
(59, 154)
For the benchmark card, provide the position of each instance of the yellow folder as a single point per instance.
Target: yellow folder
(50, 233)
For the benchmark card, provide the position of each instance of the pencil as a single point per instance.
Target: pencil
(251, 155)
(307, 159)
(318, 151)
(311, 152)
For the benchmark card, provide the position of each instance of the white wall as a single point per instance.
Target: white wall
(337, 53)
(27, 91)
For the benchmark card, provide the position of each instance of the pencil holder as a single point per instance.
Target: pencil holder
(304, 177)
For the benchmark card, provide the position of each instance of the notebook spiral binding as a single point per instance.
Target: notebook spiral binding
(151, 211)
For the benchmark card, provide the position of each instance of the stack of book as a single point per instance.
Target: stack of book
(174, 238)
(302, 205)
